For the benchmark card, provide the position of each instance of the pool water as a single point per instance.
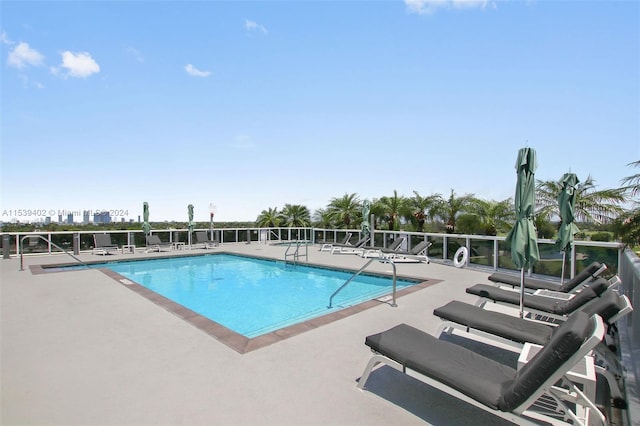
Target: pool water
(252, 296)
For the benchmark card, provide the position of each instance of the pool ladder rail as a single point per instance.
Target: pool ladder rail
(296, 254)
(359, 271)
(47, 240)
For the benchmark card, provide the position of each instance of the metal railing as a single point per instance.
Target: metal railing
(296, 253)
(359, 271)
(51, 243)
(484, 251)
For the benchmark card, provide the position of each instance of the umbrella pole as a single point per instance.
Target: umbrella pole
(522, 293)
(564, 255)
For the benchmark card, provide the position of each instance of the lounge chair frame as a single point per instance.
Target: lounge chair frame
(487, 300)
(531, 284)
(102, 244)
(355, 248)
(155, 244)
(525, 413)
(203, 238)
(343, 242)
(512, 339)
(416, 255)
(381, 252)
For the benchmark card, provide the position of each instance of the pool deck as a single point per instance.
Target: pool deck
(80, 348)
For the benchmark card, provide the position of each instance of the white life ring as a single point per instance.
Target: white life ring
(460, 258)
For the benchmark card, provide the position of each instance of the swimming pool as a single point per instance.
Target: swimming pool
(252, 296)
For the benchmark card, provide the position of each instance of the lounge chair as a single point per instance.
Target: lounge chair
(587, 274)
(102, 244)
(416, 254)
(558, 306)
(357, 247)
(394, 247)
(492, 386)
(155, 244)
(329, 246)
(203, 238)
(515, 332)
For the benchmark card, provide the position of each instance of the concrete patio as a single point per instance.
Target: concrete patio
(80, 348)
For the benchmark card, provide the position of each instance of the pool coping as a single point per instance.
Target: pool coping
(228, 337)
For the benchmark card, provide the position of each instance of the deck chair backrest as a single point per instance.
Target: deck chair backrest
(589, 292)
(395, 245)
(563, 345)
(591, 271)
(153, 239)
(420, 247)
(607, 306)
(346, 238)
(362, 241)
(102, 240)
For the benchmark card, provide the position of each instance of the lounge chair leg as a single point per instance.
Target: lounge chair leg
(373, 362)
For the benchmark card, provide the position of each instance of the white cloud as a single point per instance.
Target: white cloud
(5, 38)
(135, 54)
(22, 55)
(193, 71)
(426, 7)
(254, 26)
(79, 64)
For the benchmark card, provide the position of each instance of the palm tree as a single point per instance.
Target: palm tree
(295, 215)
(391, 208)
(322, 218)
(269, 218)
(422, 208)
(591, 205)
(627, 227)
(494, 216)
(633, 181)
(344, 209)
(448, 210)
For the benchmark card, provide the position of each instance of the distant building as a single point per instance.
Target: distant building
(86, 217)
(59, 218)
(103, 217)
(70, 218)
(47, 220)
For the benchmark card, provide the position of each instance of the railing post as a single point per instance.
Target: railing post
(6, 246)
(76, 243)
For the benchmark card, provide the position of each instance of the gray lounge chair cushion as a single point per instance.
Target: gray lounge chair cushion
(607, 306)
(537, 283)
(464, 370)
(529, 282)
(541, 303)
(567, 339)
(585, 274)
(496, 323)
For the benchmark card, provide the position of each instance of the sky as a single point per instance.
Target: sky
(251, 105)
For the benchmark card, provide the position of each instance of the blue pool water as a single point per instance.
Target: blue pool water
(252, 296)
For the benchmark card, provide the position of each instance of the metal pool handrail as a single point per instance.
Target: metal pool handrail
(393, 302)
(48, 241)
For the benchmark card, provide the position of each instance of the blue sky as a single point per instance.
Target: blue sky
(250, 105)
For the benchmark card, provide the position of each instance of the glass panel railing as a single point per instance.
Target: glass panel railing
(481, 252)
(607, 255)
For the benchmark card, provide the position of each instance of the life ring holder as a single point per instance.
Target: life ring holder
(460, 258)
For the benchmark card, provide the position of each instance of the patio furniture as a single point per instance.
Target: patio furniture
(102, 244)
(494, 387)
(155, 244)
(589, 273)
(203, 238)
(329, 246)
(416, 254)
